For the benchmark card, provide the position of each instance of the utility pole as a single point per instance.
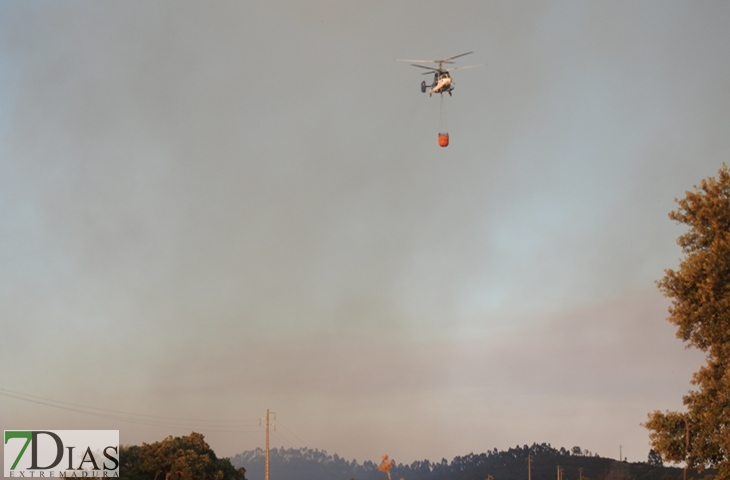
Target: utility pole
(529, 467)
(686, 463)
(620, 454)
(266, 469)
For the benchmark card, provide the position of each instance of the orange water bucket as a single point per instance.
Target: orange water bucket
(443, 139)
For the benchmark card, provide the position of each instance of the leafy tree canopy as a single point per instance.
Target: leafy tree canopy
(654, 459)
(176, 458)
(700, 293)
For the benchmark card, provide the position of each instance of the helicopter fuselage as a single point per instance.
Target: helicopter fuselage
(442, 83)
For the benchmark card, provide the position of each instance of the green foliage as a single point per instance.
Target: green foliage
(700, 293)
(129, 462)
(176, 458)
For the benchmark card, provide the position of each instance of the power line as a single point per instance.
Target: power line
(283, 439)
(325, 468)
(304, 444)
(209, 425)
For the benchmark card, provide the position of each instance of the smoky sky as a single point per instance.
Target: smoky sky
(211, 209)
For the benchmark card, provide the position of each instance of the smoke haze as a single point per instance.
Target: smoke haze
(209, 210)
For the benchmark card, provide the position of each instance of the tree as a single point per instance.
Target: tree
(654, 459)
(700, 308)
(129, 463)
(176, 458)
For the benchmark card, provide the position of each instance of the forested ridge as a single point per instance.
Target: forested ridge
(309, 464)
(190, 457)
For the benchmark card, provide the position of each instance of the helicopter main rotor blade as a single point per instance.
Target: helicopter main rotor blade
(427, 68)
(444, 60)
(420, 61)
(468, 66)
(456, 56)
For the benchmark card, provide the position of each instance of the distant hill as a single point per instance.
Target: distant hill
(308, 464)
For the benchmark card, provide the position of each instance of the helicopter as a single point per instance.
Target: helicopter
(442, 81)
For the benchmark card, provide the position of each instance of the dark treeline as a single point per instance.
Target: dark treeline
(575, 464)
